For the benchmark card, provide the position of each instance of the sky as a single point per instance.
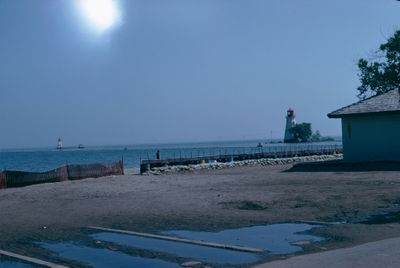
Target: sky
(180, 70)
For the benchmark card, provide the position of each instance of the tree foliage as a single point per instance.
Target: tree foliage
(316, 136)
(301, 132)
(382, 74)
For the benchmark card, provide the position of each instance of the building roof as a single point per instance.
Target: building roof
(388, 102)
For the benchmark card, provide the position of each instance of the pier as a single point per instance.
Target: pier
(258, 153)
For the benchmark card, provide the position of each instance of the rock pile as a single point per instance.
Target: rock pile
(256, 162)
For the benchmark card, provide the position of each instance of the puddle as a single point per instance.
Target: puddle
(200, 253)
(276, 238)
(390, 217)
(379, 216)
(13, 264)
(103, 258)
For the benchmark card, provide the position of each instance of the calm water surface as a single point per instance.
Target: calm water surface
(46, 159)
(104, 258)
(112, 249)
(13, 264)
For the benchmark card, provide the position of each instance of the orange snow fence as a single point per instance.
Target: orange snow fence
(68, 172)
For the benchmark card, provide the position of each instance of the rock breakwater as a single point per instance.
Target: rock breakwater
(244, 163)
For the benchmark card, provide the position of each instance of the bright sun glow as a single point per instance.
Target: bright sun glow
(102, 14)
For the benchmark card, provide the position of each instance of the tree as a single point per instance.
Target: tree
(301, 132)
(316, 136)
(382, 74)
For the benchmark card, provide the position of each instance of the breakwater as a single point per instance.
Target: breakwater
(10, 178)
(245, 163)
(147, 166)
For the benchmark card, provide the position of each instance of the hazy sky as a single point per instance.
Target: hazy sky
(181, 70)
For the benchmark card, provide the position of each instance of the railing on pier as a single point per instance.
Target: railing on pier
(257, 153)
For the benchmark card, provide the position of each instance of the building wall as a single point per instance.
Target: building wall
(371, 138)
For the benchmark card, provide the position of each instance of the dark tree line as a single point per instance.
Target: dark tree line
(303, 133)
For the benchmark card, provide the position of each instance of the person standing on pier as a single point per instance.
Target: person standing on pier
(158, 155)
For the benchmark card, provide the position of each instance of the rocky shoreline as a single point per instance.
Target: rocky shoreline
(245, 163)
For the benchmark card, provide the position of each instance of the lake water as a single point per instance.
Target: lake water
(48, 158)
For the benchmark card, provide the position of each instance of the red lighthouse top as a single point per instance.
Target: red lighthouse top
(290, 112)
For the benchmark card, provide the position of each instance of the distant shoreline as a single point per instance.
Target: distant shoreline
(162, 144)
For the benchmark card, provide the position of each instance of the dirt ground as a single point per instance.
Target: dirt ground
(205, 200)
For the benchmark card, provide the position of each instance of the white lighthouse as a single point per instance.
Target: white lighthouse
(59, 144)
(290, 122)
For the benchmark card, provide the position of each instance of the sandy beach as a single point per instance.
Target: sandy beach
(204, 200)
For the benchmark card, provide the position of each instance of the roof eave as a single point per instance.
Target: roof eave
(333, 115)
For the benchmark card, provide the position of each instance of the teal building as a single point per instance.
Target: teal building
(371, 128)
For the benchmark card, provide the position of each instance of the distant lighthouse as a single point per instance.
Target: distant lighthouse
(59, 144)
(290, 122)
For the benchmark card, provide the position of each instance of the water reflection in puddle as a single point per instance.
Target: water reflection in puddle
(201, 253)
(380, 217)
(276, 238)
(12, 264)
(103, 258)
